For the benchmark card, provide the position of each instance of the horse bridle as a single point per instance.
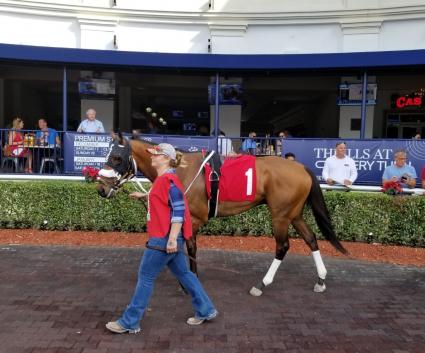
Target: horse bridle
(116, 184)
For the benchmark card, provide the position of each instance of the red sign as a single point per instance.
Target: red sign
(403, 102)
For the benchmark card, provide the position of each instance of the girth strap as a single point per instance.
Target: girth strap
(215, 164)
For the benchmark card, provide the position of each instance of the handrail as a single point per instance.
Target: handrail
(325, 187)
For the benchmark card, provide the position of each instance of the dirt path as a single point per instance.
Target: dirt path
(371, 252)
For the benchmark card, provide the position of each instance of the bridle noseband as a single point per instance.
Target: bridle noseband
(115, 184)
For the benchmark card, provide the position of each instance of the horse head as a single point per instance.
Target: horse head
(119, 167)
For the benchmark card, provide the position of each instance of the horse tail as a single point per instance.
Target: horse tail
(321, 213)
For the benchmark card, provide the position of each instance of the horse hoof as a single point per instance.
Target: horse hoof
(255, 292)
(319, 288)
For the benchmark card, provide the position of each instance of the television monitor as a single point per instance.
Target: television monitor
(352, 93)
(178, 114)
(189, 127)
(229, 94)
(93, 86)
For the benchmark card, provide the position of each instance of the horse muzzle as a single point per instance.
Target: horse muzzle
(107, 193)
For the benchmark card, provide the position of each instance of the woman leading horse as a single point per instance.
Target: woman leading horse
(285, 186)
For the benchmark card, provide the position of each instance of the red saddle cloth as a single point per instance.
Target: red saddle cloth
(238, 180)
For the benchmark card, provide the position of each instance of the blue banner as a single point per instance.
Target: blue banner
(371, 156)
(82, 150)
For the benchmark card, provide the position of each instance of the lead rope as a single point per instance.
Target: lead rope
(200, 170)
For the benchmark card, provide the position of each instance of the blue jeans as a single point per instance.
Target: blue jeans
(153, 261)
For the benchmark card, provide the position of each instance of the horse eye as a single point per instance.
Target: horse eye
(116, 161)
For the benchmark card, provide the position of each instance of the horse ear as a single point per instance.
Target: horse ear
(121, 138)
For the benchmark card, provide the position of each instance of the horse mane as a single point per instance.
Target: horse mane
(183, 163)
(156, 144)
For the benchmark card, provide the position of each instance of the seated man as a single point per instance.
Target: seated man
(339, 168)
(47, 135)
(400, 171)
(249, 146)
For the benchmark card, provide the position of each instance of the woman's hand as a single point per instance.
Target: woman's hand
(138, 195)
(171, 246)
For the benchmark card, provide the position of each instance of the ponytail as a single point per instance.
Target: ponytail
(174, 163)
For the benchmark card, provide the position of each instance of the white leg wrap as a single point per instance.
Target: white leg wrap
(321, 269)
(268, 278)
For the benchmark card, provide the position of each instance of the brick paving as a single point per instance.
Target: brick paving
(58, 299)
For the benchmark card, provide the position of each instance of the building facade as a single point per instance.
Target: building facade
(291, 65)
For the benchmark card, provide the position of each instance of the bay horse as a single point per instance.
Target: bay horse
(285, 186)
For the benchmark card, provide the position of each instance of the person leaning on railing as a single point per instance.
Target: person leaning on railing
(401, 172)
(339, 168)
(16, 144)
(249, 146)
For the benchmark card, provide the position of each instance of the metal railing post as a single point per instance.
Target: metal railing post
(65, 100)
(216, 110)
(363, 116)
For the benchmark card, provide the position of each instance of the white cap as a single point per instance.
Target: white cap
(163, 148)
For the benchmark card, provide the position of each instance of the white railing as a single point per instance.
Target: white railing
(366, 188)
(41, 177)
(362, 188)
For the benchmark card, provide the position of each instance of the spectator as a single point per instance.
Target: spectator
(249, 146)
(91, 124)
(15, 147)
(279, 143)
(339, 168)
(203, 131)
(287, 134)
(400, 171)
(290, 156)
(417, 136)
(423, 177)
(151, 128)
(225, 146)
(47, 135)
(135, 134)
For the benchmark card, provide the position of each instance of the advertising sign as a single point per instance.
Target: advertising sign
(82, 150)
(371, 156)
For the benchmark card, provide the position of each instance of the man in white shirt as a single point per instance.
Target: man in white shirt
(340, 169)
(91, 124)
(225, 146)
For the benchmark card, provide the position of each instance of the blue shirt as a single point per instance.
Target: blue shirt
(176, 202)
(248, 144)
(91, 126)
(394, 171)
(51, 139)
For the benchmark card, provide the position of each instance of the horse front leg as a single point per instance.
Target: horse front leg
(191, 251)
(191, 245)
(280, 230)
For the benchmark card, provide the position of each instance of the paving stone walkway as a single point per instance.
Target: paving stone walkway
(58, 299)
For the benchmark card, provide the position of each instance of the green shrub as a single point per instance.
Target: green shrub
(365, 217)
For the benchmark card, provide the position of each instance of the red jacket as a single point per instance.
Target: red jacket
(159, 220)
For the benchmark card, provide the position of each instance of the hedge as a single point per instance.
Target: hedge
(54, 205)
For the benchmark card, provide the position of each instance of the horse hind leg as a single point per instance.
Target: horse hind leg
(280, 230)
(309, 237)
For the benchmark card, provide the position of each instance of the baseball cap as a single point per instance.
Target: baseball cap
(163, 148)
